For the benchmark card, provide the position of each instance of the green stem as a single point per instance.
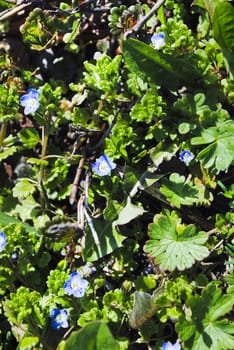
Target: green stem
(44, 141)
(2, 133)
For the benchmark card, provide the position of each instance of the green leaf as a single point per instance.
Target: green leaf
(161, 68)
(223, 32)
(219, 154)
(29, 137)
(26, 207)
(109, 238)
(8, 152)
(128, 213)
(28, 343)
(162, 153)
(7, 219)
(204, 330)
(93, 336)
(23, 189)
(143, 309)
(40, 28)
(177, 191)
(173, 245)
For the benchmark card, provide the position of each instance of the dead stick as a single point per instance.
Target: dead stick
(72, 197)
(144, 19)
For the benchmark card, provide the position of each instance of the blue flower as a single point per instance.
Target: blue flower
(75, 285)
(3, 241)
(103, 165)
(30, 101)
(186, 156)
(59, 318)
(170, 346)
(158, 40)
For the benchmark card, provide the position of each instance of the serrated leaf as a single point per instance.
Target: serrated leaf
(175, 246)
(162, 69)
(162, 153)
(7, 153)
(177, 191)
(143, 309)
(23, 189)
(29, 137)
(204, 330)
(218, 155)
(93, 336)
(40, 28)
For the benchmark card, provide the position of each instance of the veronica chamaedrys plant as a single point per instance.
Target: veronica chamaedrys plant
(169, 346)
(3, 241)
(30, 101)
(103, 165)
(158, 40)
(59, 318)
(75, 285)
(186, 156)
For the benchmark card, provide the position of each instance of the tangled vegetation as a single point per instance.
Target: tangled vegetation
(117, 166)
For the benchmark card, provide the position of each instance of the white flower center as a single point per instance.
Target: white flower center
(75, 283)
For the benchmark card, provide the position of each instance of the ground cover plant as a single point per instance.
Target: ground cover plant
(117, 166)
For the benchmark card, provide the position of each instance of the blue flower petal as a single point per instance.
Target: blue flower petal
(158, 40)
(59, 318)
(186, 156)
(3, 241)
(30, 101)
(169, 346)
(75, 285)
(103, 165)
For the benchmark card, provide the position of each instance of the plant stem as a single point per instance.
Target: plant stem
(2, 133)
(44, 141)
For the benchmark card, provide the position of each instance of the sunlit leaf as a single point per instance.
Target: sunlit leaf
(218, 155)
(28, 342)
(23, 188)
(175, 246)
(7, 153)
(93, 336)
(29, 137)
(207, 329)
(161, 68)
(109, 238)
(178, 191)
(6, 219)
(162, 153)
(128, 213)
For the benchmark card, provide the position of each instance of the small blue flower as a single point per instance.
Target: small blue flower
(186, 156)
(170, 346)
(232, 205)
(30, 101)
(59, 318)
(3, 241)
(158, 40)
(75, 285)
(103, 165)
